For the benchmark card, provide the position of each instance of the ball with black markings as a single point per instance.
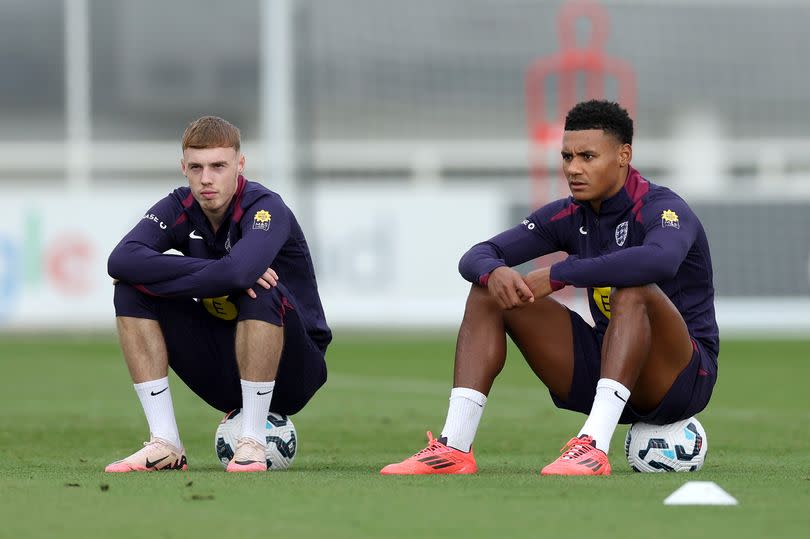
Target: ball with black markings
(280, 434)
(677, 447)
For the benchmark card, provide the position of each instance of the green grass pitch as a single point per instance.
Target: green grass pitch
(68, 409)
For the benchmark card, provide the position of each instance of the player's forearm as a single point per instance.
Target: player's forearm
(191, 287)
(635, 266)
(509, 248)
(137, 263)
(218, 278)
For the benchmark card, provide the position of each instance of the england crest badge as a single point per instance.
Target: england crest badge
(621, 234)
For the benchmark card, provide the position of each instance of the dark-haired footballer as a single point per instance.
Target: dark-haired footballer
(237, 332)
(643, 256)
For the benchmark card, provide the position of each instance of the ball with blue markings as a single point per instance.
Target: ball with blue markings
(280, 434)
(677, 447)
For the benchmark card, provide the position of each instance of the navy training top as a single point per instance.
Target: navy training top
(643, 234)
(259, 231)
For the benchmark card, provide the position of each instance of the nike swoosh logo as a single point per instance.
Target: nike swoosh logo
(265, 393)
(583, 231)
(153, 463)
(194, 236)
(619, 396)
(245, 462)
(159, 392)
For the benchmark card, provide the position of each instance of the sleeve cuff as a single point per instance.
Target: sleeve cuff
(556, 285)
(554, 277)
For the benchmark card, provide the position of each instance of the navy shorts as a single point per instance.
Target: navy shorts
(688, 395)
(200, 341)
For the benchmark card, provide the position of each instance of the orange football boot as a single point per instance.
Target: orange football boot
(579, 457)
(436, 458)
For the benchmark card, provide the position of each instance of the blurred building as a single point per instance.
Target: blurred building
(419, 99)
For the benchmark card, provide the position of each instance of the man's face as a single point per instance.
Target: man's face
(595, 164)
(212, 176)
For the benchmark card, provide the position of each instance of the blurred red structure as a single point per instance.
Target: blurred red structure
(577, 73)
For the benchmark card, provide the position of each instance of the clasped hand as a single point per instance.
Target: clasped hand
(511, 289)
(266, 280)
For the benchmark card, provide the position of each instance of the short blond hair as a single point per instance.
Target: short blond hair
(211, 132)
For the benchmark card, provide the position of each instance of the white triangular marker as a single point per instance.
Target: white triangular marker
(700, 493)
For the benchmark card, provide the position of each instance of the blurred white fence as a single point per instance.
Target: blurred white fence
(385, 251)
(384, 125)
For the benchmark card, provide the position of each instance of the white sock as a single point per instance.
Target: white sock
(608, 404)
(463, 416)
(256, 397)
(156, 399)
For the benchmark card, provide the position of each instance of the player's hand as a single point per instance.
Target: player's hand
(507, 287)
(539, 282)
(266, 280)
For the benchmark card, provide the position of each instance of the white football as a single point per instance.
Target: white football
(280, 434)
(677, 447)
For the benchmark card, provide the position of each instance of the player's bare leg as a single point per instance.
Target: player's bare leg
(541, 329)
(646, 345)
(645, 348)
(542, 332)
(258, 352)
(147, 360)
(258, 349)
(143, 347)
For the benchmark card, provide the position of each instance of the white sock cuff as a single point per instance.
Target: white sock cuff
(248, 384)
(151, 384)
(470, 394)
(613, 385)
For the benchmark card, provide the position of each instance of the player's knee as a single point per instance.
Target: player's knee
(269, 305)
(479, 299)
(629, 298)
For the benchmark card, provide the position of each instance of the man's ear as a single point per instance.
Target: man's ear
(625, 155)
